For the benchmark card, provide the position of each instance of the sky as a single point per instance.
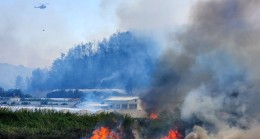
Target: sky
(35, 37)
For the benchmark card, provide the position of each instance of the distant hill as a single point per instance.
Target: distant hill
(8, 74)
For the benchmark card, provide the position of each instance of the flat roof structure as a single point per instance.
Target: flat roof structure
(122, 98)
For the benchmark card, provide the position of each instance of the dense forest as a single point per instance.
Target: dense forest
(65, 94)
(123, 61)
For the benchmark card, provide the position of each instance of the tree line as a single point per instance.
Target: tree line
(123, 61)
(13, 93)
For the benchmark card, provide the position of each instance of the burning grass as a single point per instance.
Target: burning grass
(166, 125)
(153, 116)
(53, 124)
(173, 134)
(104, 133)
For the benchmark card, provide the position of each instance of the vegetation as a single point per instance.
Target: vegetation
(123, 61)
(51, 124)
(166, 121)
(13, 93)
(65, 94)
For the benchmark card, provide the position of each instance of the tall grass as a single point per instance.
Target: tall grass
(53, 124)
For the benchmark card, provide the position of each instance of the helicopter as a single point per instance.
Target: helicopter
(42, 6)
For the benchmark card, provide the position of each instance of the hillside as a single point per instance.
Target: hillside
(124, 61)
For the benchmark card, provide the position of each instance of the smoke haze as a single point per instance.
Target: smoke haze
(38, 36)
(33, 43)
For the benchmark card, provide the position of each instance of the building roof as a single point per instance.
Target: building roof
(114, 90)
(122, 98)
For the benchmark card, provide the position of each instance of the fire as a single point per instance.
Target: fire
(153, 116)
(104, 133)
(173, 134)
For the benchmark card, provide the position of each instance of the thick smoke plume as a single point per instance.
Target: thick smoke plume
(152, 14)
(214, 77)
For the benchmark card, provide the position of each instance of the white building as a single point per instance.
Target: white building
(123, 103)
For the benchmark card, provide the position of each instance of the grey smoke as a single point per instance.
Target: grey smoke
(215, 75)
(222, 41)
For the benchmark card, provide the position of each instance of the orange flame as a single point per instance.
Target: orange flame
(173, 134)
(153, 116)
(104, 133)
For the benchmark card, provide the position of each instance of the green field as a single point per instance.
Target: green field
(52, 124)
